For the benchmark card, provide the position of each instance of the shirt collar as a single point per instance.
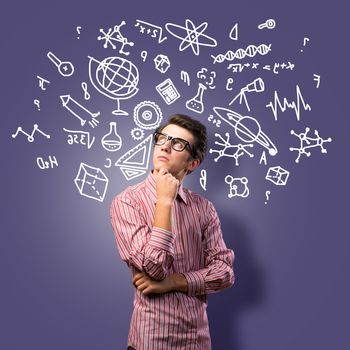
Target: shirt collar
(152, 187)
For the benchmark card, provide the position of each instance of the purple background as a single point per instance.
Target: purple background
(63, 285)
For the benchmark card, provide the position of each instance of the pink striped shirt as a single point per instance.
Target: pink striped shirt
(194, 247)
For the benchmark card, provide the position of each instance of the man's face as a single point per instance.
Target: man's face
(177, 163)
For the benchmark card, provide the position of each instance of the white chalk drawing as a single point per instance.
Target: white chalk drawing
(112, 141)
(115, 35)
(144, 55)
(168, 91)
(42, 81)
(229, 82)
(318, 79)
(79, 111)
(109, 160)
(237, 67)
(137, 134)
(86, 93)
(246, 128)
(118, 79)
(147, 115)
(234, 32)
(296, 105)
(191, 36)
(135, 162)
(239, 150)
(185, 78)
(256, 86)
(278, 66)
(161, 63)
(277, 175)
(307, 142)
(37, 103)
(275, 67)
(30, 137)
(91, 182)
(216, 122)
(263, 158)
(152, 30)
(65, 68)
(78, 31)
(79, 137)
(114, 77)
(304, 43)
(238, 186)
(249, 51)
(195, 104)
(203, 179)
(46, 164)
(208, 78)
(269, 24)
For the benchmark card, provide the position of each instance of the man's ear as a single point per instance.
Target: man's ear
(193, 164)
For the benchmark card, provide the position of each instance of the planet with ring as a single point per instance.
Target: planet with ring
(246, 128)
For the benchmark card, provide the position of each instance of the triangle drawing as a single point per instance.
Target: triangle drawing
(130, 173)
(135, 162)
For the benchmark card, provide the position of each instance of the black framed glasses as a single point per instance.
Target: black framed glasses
(177, 144)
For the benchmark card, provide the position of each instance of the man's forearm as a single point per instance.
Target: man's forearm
(179, 283)
(162, 216)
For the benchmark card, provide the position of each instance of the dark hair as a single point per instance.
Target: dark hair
(196, 128)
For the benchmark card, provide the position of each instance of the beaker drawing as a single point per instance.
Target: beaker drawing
(112, 141)
(195, 104)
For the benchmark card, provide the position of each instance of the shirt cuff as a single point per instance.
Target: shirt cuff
(162, 239)
(195, 282)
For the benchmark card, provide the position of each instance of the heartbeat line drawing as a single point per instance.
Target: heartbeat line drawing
(296, 105)
(30, 137)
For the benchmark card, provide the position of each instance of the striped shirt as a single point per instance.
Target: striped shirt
(194, 247)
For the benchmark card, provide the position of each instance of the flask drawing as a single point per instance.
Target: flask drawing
(112, 141)
(195, 104)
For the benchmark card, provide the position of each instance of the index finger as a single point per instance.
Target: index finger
(163, 171)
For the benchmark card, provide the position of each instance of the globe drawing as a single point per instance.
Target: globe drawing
(114, 77)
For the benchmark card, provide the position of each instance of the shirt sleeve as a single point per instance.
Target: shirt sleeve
(218, 272)
(149, 249)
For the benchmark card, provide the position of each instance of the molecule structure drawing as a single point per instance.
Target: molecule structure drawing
(239, 149)
(191, 35)
(30, 137)
(238, 186)
(307, 142)
(115, 35)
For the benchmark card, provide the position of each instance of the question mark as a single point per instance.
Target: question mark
(267, 193)
(78, 30)
(305, 41)
(37, 103)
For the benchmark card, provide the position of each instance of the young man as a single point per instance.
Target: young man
(171, 239)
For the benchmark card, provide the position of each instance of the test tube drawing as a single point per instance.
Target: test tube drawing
(78, 110)
(195, 104)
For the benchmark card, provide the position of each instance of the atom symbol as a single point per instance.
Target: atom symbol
(193, 34)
